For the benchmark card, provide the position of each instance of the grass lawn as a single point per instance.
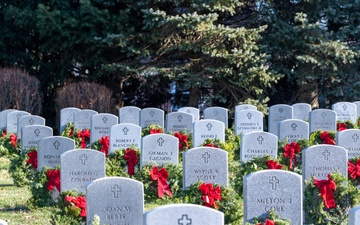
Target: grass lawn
(13, 201)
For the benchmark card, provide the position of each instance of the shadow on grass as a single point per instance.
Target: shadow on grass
(7, 185)
(18, 208)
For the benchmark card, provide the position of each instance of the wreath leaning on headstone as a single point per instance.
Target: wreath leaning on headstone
(272, 219)
(224, 199)
(328, 201)
(72, 207)
(123, 162)
(289, 154)
(9, 145)
(23, 167)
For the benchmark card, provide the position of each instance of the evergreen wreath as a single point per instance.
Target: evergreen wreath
(72, 207)
(152, 129)
(322, 137)
(171, 181)
(354, 171)
(119, 162)
(284, 155)
(45, 187)
(229, 202)
(102, 145)
(23, 167)
(344, 125)
(81, 137)
(345, 196)
(271, 219)
(216, 143)
(9, 145)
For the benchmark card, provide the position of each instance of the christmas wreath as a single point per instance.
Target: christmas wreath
(123, 162)
(72, 207)
(81, 137)
(344, 125)
(289, 154)
(45, 187)
(224, 199)
(328, 201)
(354, 171)
(272, 219)
(23, 167)
(322, 137)
(216, 143)
(152, 129)
(102, 145)
(9, 145)
(162, 184)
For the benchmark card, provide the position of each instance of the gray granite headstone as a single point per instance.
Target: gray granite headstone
(28, 120)
(67, 116)
(277, 190)
(183, 214)
(208, 129)
(3, 222)
(50, 150)
(345, 111)
(129, 114)
(257, 144)
(79, 167)
(248, 120)
(322, 119)
(149, 116)
(206, 164)
(245, 107)
(357, 103)
(3, 118)
(350, 140)
(125, 135)
(293, 130)
(301, 111)
(160, 149)
(217, 113)
(82, 119)
(320, 160)
(191, 110)
(115, 200)
(179, 121)
(32, 134)
(278, 113)
(12, 120)
(100, 125)
(354, 216)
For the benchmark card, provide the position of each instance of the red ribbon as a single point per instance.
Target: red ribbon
(4, 133)
(210, 194)
(327, 139)
(161, 176)
(84, 134)
(354, 170)
(341, 126)
(53, 179)
(273, 164)
(267, 222)
(289, 152)
(183, 140)
(131, 160)
(156, 131)
(32, 159)
(13, 139)
(326, 188)
(79, 202)
(211, 145)
(105, 145)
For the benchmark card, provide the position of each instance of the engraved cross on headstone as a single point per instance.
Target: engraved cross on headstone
(18, 116)
(160, 141)
(323, 115)
(86, 115)
(273, 181)
(188, 111)
(216, 112)
(83, 158)
(37, 132)
(184, 220)
(281, 110)
(116, 190)
(152, 113)
(125, 130)
(104, 119)
(294, 126)
(56, 144)
(326, 154)
(355, 137)
(209, 125)
(260, 139)
(31, 121)
(344, 107)
(206, 157)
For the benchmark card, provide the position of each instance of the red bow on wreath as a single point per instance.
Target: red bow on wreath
(289, 152)
(354, 170)
(210, 194)
(326, 188)
(84, 134)
(183, 140)
(156, 131)
(53, 179)
(105, 145)
(161, 176)
(131, 160)
(32, 159)
(79, 202)
(13, 140)
(273, 165)
(267, 222)
(326, 138)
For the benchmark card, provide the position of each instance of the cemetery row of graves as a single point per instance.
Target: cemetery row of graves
(186, 169)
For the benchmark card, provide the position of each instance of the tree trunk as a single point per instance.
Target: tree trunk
(308, 93)
(194, 96)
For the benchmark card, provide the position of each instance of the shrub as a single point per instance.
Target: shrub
(19, 90)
